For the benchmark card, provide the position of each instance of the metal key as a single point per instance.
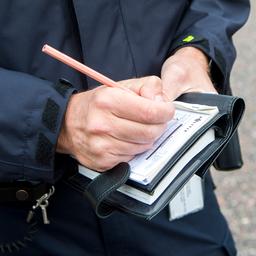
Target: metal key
(39, 201)
(43, 206)
(42, 202)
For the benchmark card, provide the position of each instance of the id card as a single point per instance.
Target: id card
(189, 200)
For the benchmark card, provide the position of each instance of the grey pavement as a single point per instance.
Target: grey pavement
(236, 191)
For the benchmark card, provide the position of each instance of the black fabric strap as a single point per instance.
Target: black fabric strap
(103, 185)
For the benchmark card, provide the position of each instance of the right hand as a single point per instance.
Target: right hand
(106, 126)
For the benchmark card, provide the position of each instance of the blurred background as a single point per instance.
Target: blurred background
(236, 191)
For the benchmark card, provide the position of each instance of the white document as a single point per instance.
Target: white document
(189, 200)
(187, 120)
(150, 198)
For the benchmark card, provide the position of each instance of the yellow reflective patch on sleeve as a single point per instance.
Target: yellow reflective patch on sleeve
(188, 39)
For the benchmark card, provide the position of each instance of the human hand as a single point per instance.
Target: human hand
(186, 71)
(106, 126)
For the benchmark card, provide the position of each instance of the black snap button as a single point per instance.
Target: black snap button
(22, 195)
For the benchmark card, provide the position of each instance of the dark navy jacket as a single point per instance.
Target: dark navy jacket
(121, 39)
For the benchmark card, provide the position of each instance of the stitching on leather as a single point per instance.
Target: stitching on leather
(113, 186)
(103, 195)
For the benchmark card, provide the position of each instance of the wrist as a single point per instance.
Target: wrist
(195, 54)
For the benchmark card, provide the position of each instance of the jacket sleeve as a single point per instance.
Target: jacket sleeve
(209, 26)
(31, 112)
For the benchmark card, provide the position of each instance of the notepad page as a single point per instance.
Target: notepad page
(145, 166)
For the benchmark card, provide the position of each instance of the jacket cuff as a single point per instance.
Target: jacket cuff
(218, 69)
(30, 125)
(52, 117)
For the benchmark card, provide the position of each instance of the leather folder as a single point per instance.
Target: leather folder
(102, 191)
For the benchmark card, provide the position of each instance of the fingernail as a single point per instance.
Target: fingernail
(159, 98)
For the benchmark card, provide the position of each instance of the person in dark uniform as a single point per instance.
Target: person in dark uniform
(150, 47)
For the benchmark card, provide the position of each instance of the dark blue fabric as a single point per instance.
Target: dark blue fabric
(75, 230)
(27, 83)
(27, 145)
(121, 39)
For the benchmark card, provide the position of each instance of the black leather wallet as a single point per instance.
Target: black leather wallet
(102, 191)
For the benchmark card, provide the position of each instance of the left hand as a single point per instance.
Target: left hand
(186, 71)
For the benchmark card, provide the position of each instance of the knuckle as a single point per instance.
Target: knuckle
(101, 150)
(93, 148)
(96, 126)
(171, 113)
(168, 114)
(101, 99)
(154, 80)
(144, 147)
(150, 135)
(151, 114)
(179, 71)
(149, 146)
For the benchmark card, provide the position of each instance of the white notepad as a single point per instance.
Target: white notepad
(188, 119)
(150, 198)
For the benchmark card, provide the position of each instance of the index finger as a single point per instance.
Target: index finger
(139, 109)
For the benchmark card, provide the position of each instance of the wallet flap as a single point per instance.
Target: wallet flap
(103, 185)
